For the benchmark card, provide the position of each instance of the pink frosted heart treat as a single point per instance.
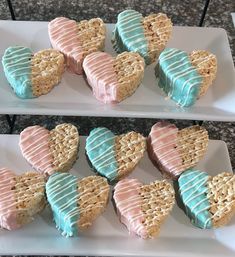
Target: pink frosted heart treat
(143, 208)
(173, 151)
(76, 39)
(113, 79)
(50, 151)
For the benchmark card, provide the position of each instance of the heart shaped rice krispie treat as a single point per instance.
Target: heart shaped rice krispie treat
(113, 79)
(114, 156)
(147, 36)
(186, 77)
(32, 75)
(50, 151)
(173, 151)
(22, 197)
(209, 201)
(76, 203)
(77, 39)
(143, 208)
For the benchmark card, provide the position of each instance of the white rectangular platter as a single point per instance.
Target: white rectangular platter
(74, 97)
(107, 236)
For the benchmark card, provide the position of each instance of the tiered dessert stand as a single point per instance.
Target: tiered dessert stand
(73, 97)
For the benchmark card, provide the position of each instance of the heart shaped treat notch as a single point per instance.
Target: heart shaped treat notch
(185, 77)
(147, 36)
(143, 208)
(209, 201)
(50, 151)
(22, 197)
(113, 79)
(173, 151)
(32, 75)
(114, 156)
(76, 39)
(76, 203)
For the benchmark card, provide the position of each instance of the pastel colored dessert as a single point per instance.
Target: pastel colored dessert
(76, 39)
(173, 151)
(114, 156)
(113, 79)
(186, 77)
(50, 151)
(147, 36)
(22, 197)
(76, 203)
(209, 201)
(32, 75)
(143, 208)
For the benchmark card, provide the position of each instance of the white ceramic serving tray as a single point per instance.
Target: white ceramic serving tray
(107, 236)
(74, 97)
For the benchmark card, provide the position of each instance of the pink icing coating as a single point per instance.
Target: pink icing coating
(8, 211)
(64, 37)
(162, 141)
(101, 76)
(128, 202)
(34, 144)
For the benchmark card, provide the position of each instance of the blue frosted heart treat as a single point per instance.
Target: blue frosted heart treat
(209, 201)
(112, 156)
(75, 203)
(31, 75)
(185, 77)
(147, 36)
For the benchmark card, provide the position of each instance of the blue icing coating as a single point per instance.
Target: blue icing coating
(16, 63)
(100, 149)
(129, 34)
(177, 77)
(62, 194)
(193, 192)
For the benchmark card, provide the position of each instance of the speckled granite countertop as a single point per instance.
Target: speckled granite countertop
(182, 13)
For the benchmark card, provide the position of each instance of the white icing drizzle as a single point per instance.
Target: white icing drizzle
(103, 142)
(99, 68)
(20, 199)
(59, 187)
(221, 210)
(189, 89)
(130, 207)
(160, 144)
(125, 24)
(182, 72)
(21, 60)
(202, 60)
(188, 182)
(195, 185)
(103, 70)
(169, 55)
(180, 61)
(104, 154)
(94, 133)
(161, 147)
(129, 19)
(9, 196)
(164, 134)
(107, 155)
(65, 35)
(38, 152)
(133, 27)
